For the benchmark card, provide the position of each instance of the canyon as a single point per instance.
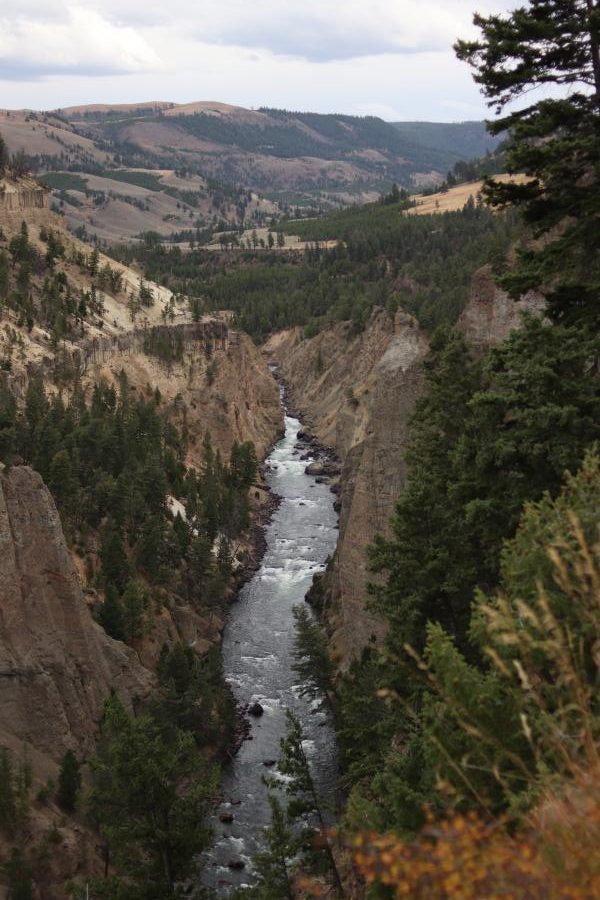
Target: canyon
(357, 393)
(57, 664)
(355, 389)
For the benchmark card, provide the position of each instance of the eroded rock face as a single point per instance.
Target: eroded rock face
(22, 194)
(358, 392)
(239, 403)
(56, 664)
(490, 314)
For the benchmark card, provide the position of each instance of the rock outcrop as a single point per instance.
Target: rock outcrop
(57, 665)
(18, 195)
(490, 314)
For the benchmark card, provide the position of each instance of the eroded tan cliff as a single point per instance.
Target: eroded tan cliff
(358, 393)
(57, 665)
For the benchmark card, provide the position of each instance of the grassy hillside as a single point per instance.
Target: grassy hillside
(279, 150)
(179, 170)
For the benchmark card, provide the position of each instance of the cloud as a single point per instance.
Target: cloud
(36, 43)
(321, 32)
(388, 57)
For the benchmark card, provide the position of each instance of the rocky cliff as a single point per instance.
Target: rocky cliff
(490, 314)
(230, 394)
(18, 195)
(57, 665)
(358, 392)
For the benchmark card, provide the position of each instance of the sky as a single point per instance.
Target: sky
(390, 58)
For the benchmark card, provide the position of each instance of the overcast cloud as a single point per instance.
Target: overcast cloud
(391, 58)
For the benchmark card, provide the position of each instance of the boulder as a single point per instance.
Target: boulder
(315, 468)
(256, 710)
(236, 864)
(322, 468)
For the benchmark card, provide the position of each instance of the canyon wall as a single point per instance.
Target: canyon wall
(57, 665)
(357, 393)
(231, 394)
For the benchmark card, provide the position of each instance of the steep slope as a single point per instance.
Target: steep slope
(230, 394)
(224, 384)
(58, 665)
(219, 384)
(358, 392)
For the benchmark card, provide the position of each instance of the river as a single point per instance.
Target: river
(257, 659)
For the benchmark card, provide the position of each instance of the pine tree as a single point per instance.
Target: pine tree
(93, 262)
(4, 270)
(150, 793)
(115, 565)
(312, 662)
(530, 718)
(224, 561)
(20, 885)
(150, 547)
(8, 422)
(110, 615)
(555, 141)
(8, 806)
(305, 803)
(4, 156)
(61, 481)
(133, 605)
(69, 782)
(430, 570)
(273, 865)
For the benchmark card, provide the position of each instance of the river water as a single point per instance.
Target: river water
(257, 659)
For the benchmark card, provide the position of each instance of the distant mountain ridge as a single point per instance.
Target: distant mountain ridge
(369, 151)
(120, 170)
(462, 140)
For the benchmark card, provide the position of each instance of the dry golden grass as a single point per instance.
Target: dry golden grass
(456, 197)
(466, 858)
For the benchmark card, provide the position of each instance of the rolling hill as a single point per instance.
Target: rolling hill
(117, 171)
